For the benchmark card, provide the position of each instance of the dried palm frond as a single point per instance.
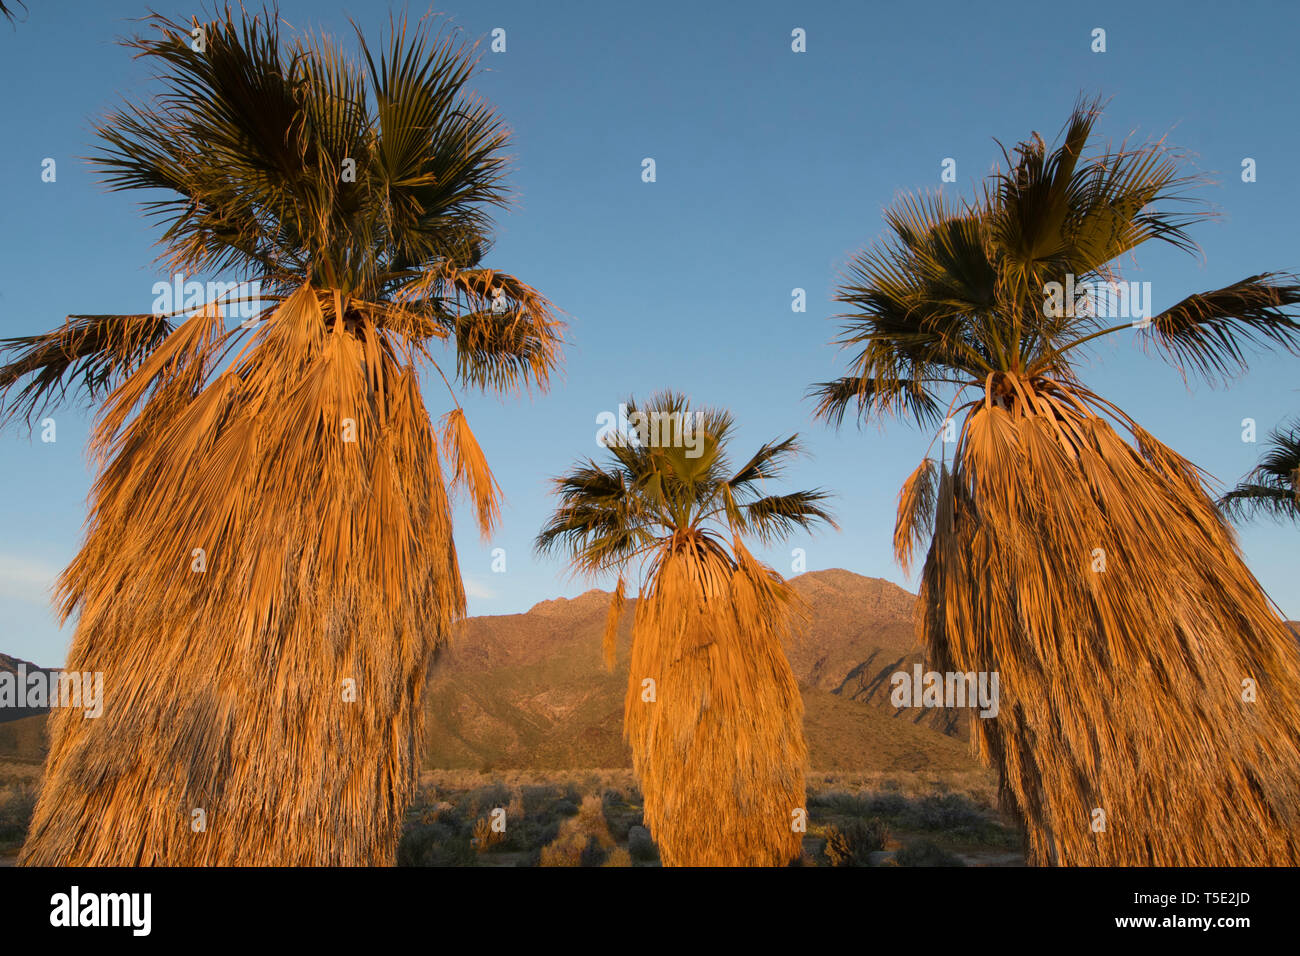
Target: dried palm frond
(717, 737)
(94, 350)
(262, 594)
(1143, 673)
(470, 468)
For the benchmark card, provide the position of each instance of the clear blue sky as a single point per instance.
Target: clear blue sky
(773, 168)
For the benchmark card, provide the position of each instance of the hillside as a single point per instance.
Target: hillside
(528, 690)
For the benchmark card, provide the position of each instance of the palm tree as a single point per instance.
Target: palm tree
(712, 713)
(1273, 486)
(1148, 711)
(269, 561)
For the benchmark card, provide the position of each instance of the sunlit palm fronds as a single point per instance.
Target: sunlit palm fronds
(269, 563)
(712, 713)
(1091, 572)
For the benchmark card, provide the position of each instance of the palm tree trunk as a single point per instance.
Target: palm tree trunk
(269, 567)
(714, 716)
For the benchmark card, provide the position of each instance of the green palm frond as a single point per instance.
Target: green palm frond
(1205, 332)
(7, 12)
(775, 517)
(289, 163)
(874, 398)
(1272, 488)
(665, 484)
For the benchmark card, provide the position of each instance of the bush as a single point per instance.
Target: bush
(593, 854)
(481, 802)
(926, 853)
(16, 814)
(538, 798)
(485, 838)
(841, 802)
(620, 817)
(529, 834)
(436, 844)
(640, 845)
(951, 813)
(888, 804)
(853, 844)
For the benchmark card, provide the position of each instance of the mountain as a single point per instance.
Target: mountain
(528, 690)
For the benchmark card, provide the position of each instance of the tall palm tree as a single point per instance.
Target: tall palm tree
(712, 713)
(1273, 486)
(1148, 710)
(269, 562)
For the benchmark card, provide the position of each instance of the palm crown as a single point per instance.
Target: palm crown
(654, 498)
(366, 182)
(957, 295)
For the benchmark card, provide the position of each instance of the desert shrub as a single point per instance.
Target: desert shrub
(485, 838)
(16, 813)
(640, 845)
(842, 802)
(593, 854)
(926, 853)
(852, 844)
(583, 840)
(458, 851)
(620, 816)
(566, 807)
(951, 813)
(530, 833)
(538, 798)
(483, 800)
(561, 853)
(888, 804)
(435, 844)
